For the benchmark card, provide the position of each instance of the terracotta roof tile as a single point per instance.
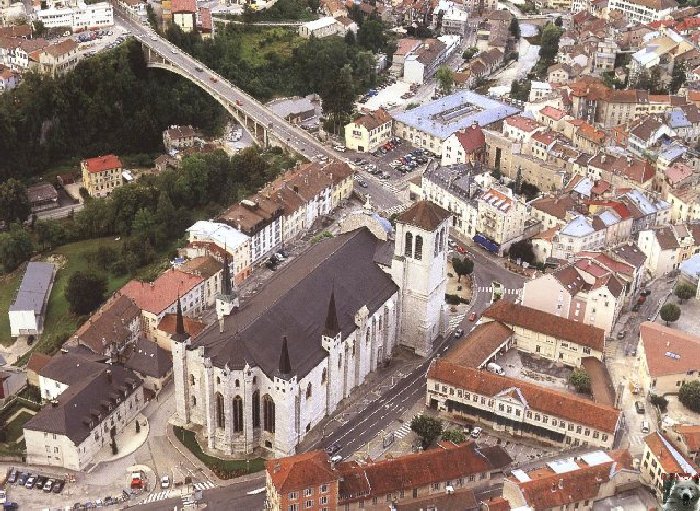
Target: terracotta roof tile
(481, 343)
(300, 471)
(110, 324)
(184, 6)
(471, 138)
(37, 361)
(102, 163)
(157, 296)
(553, 113)
(690, 434)
(373, 120)
(522, 123)
(668, 462)
(169, 325)
(556, 206)
(424, 214)
(669, 351)
(204, 266)
(539, 321)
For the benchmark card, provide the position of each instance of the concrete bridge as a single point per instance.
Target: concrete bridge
(266, 127)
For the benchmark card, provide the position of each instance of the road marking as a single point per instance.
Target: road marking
(155, 497)
(205, 485)
(255, 492)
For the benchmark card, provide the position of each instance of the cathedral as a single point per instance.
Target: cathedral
(262, 376)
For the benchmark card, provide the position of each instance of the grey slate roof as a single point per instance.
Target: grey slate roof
(70, 368)
(294, 303)
(35, 286)
(149, 359)
(82, 401)
(443, 117)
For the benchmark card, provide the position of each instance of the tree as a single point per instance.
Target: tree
(670, 313)
(520, 89)
(14, 203)
(559, 22)
(469, 53)
(15, 247)
(445, 79)
(105, 256)
(462, 266)
(38, 29)
(370, 35)
(338, 95)
(49, 234)
(684, 291)
(522, 250)
(427, 428)
(515, 27)
(689, 395)
(580, 380)
(678, 77)
(659, 401)
(549, 43)
(85, 292)
(350, 39)
(455, 436)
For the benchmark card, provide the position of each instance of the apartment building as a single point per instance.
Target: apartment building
(369, 131)
(102, 175)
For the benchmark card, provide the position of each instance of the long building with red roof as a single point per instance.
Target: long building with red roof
(102, 175)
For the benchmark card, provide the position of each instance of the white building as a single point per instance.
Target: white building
(320, 28)
(80, 17)
(643, 11)
(266, 374)
(27, 311)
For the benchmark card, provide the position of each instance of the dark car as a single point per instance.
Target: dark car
(271, 264)
(22, 479)
(458, 333)
(646, 292)
(40, 482)
(12, 475)
(639, 406)
(333, 448)
(58, 486)
(10, 506)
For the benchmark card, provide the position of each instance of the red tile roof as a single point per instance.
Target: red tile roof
(549, 324)
(690, 434)
(481, 343)
(37, 361)
(543, 399)
(102, 163)
(169, 325)
(668, 350)
(301, 471)
(668, 462)
(553, 113)
(471, 138)
(522, 123)
(184, 6)
(424, 214)
(372, 120)
(157, 296)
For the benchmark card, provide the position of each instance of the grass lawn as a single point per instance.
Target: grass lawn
(257, 43)
(59, 323)
(224, 469)
(8, 288)
(14, 427)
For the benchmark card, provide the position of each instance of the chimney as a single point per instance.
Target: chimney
(602, 159)
(54, 403)
(238, 223)
(221, 325)
(561, 484)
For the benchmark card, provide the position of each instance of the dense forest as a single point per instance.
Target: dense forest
(111, 103)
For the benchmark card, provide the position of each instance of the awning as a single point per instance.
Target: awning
(489, 245)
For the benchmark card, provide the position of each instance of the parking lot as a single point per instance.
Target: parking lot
(20, 482)
(391, 163)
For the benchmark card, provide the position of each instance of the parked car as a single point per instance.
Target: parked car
(58, 486)
(621, 334)
(30, 482)
(10, 506)
(3, 497)
(639, 407)
(363, 183)
(12, 475)
(646, 292)
(458, 333)
(635, 307)
(164, 482)
(472, 316)
(476, 432)
(22, 479)
(333, 448)
(40, 482)
(641, 299)
(48, 486)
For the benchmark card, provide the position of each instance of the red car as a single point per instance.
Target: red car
(460, 249)
(472, 316)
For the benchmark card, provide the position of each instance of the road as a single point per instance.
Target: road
(60, 212)
(221, 499)
(293, 137)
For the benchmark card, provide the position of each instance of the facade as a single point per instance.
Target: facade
(643, 11)
(320, 28)
(70, 430)
(546, 335)
(519, 408)
(659, 459)
(464, 146)
(255, 382)
(668, 358)
(203, 234)
(102, 175)
(312, 481)
(667, 247)
(110, 329)
(454, 189)
(57, 59)
(80, 17)
(368, 132)
(424, 62)
(184, 14)
(26, 313)
(501, 217)
(178, 137)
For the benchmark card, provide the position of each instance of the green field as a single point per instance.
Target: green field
(14, 427)
(257, 44)
(8, 288)
(59, 323)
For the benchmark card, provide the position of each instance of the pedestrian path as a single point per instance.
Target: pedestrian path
(155, 497)
(405, 429)
(206, 485)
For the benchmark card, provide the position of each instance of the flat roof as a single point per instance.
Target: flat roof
(443, 117)
(35, 285)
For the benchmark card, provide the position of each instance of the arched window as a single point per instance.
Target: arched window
(220, 413)
(218, 380)
(194, 401)
(268, 414)
(367, 336)
(340, 361)
(437, 245)
(255, 380)
(238, 383)
(237, 414)
(442, 239)
(308, 391)
(256, 409)
(323, 376)
(192, 379)
(419, 248)
(408, 246)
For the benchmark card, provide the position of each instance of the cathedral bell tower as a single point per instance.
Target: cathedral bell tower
(419, 268)
(227, 300)
(180, 342)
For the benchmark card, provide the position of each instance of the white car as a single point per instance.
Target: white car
(153, 38)
(3, 497)
(165, 482)
(476, 432)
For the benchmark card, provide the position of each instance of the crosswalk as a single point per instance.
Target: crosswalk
(399, 208)
(456, 320)
(508, 291)
(405, 429)
(636, 439)
(155, 497)
(205, 485)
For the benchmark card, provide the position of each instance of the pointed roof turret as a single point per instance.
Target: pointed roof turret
(226, 284)
(180, 334)
(285, 367)
(331, 327)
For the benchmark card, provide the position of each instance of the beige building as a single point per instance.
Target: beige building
(454, 189)
(184, 13)
(643, 11)
(685, 205)
(667, 247)
(368, 132)
(668, 358)
(102, 175)
(57, 59)
(517, 407)
(320, 28)
(659, 459)
(178, 137)
(548, 336)
(501, 217)
(77, 424)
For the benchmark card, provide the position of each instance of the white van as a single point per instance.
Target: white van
(495, 368)
(645, 426)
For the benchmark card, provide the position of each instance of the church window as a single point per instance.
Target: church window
(419, 248)
(220, 413)
(367, 336)
(340, 359)
(255, 380)
(308, 391)
(268, 414)
(323, 376)
(194, 401)
(237, 414)
(218, 380)
(256, 409)
(408, 247)
(192, 379)
(238, 383)
(442, 239)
